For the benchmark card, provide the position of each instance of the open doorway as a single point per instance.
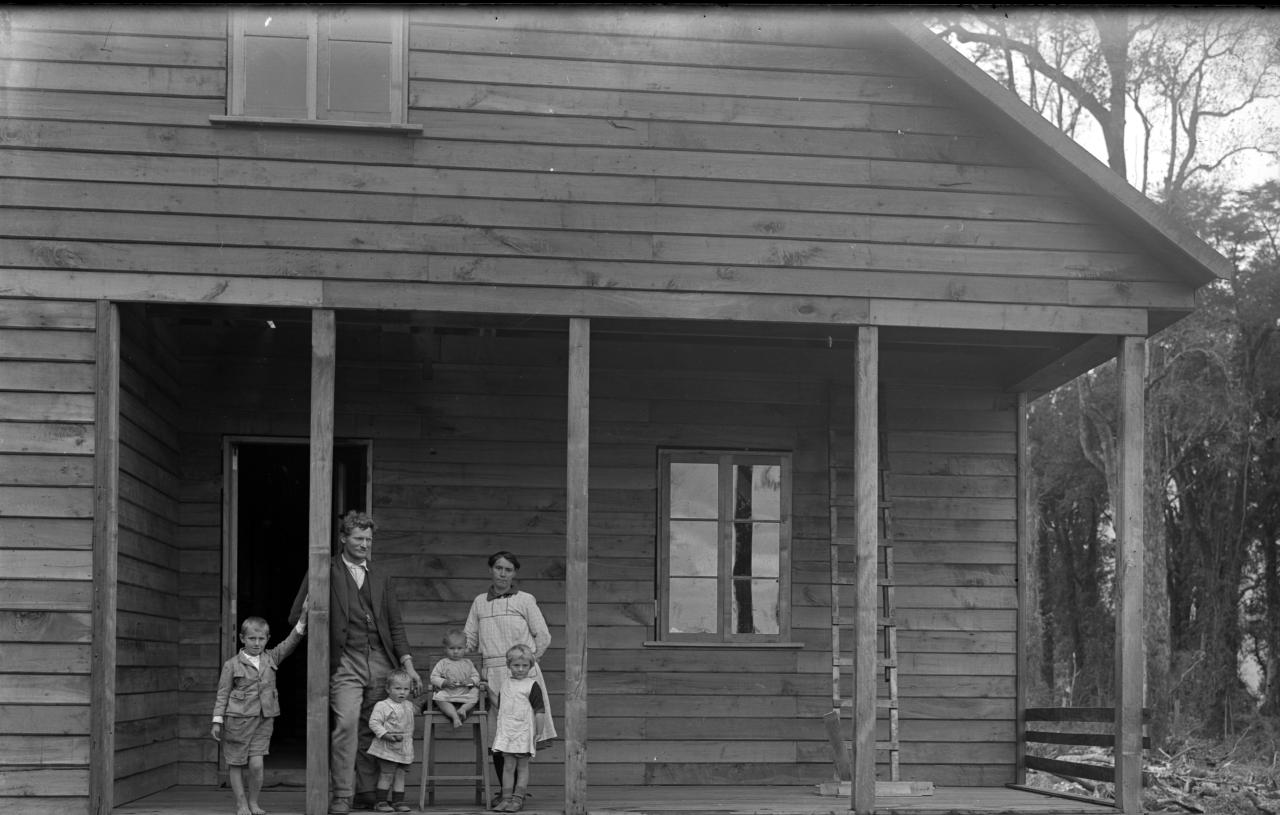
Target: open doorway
(266, 553)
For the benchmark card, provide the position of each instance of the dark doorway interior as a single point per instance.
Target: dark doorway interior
(271, 556)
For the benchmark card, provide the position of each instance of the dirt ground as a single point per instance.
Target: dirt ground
(1238, 777)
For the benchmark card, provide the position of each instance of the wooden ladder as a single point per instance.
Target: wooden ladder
(840, 473)
(888, 622)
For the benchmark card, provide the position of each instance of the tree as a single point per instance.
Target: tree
(1196, 76)
(1075, 561)
(1084, 57)
(1246, 225)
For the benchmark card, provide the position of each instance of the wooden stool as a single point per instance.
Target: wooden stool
(478, 720)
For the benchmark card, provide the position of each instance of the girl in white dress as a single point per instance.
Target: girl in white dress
(521, 711)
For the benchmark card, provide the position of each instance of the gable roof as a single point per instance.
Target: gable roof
(1189, 258)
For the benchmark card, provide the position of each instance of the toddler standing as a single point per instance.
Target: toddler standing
(392, 724)
(455, 679)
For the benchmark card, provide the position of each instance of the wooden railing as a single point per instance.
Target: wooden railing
(1050, 731)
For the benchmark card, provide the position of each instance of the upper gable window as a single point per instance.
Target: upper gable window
(326, 64)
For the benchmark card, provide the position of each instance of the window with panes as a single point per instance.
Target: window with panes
(724, 546)
(318, 63)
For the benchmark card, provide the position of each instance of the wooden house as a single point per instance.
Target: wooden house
(692, 308)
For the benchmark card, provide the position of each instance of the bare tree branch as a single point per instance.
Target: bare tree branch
(1037, 62)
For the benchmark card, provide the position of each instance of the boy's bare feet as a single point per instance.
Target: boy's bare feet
(456, 722)
(254, 809)
(243, 809)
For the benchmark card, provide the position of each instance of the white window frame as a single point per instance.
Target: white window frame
(725, 460)
(318, 39)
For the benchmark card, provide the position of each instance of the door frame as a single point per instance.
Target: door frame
(231, 517)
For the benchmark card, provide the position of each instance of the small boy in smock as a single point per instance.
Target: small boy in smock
(247, 705)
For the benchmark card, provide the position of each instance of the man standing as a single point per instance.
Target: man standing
(366, 642)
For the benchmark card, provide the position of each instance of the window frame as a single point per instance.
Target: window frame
(317, 70)
(725, 460)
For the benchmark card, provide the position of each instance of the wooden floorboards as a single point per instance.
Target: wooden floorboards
(659, 801)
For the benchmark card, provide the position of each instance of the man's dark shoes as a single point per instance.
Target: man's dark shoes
(364, 801)
(339, 806)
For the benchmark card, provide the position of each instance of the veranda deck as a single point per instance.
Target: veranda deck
(657, 800)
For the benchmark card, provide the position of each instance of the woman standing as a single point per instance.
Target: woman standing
(500, 618)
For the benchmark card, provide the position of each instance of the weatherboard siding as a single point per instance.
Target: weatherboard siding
(800, 171)
(47, 442)
(148, 564)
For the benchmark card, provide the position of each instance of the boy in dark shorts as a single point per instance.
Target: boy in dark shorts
(247, 705)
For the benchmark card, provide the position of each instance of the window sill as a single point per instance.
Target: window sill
(322, 124)
(749, 645)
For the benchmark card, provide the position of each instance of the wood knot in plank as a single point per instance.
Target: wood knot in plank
(60, 256)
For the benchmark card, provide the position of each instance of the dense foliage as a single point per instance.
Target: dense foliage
(1213, 464)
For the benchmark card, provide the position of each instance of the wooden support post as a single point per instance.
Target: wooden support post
(575, 584)
(1026, 597)
(106, 540)
(1130, 653)
(866, 448)
(319, 554)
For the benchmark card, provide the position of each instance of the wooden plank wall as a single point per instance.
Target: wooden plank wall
(46, 516)
(794, 163)
(148, 636)
(951, 458)
(469, 458)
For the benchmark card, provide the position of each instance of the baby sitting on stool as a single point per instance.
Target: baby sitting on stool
(455, 679)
